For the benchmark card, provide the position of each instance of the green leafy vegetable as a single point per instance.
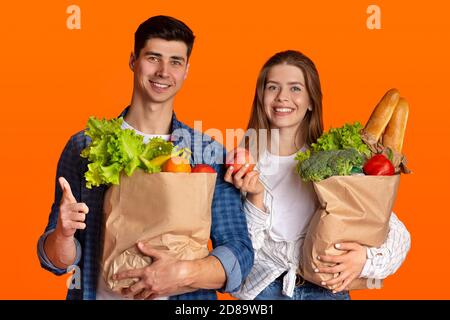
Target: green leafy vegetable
(324, 164)
(157, 147)
(346, 137)
(338, 152)
(114, 149)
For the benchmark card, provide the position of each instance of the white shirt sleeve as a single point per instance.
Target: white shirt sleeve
(258, 222)
(385, 260)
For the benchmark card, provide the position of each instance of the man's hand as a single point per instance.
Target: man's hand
(71, 214)
(60, 246)
(164, 277)
(349, 265)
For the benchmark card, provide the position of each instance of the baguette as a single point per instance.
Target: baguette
(395, 130)
(381, 115)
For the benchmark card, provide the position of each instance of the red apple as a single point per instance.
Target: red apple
(239, 157)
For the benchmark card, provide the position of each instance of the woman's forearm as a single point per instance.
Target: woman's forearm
(257, 200)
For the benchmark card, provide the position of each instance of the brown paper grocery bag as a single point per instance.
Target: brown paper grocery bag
(169, 211)
(351, 208)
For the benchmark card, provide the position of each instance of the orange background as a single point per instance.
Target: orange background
(53, 79)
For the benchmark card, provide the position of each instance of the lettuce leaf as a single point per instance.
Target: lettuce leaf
(345, 137)
(113, 150)
(157, 147)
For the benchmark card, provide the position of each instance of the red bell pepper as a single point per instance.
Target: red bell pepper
(379, 165)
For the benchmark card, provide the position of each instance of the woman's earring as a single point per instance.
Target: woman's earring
(310, 108)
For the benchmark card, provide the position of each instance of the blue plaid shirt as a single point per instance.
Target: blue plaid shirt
(229, 234)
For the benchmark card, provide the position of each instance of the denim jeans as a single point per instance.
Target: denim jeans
(307, 291)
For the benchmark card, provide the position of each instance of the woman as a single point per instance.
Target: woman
(279, 206)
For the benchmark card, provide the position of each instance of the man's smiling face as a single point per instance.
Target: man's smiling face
(160, 70)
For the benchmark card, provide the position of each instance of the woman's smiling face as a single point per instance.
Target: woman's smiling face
(286, 99)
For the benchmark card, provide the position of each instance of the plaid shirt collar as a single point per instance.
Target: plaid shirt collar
(174, 125)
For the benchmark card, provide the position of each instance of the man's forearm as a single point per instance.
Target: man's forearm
(206, 273)
(61, 251)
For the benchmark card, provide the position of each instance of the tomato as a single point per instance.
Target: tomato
(177, 164)
(379, 165)
(237, 158)
(203, 168)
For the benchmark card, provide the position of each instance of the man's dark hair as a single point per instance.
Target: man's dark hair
(163, 27)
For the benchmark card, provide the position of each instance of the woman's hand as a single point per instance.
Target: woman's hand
(349, 265)
(246, 182)
(249, 183)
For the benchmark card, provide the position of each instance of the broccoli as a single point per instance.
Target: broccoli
(324, 164)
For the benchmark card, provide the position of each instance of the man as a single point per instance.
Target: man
(160, 64)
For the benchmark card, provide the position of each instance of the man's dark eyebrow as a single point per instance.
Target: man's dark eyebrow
(151, 53)
(178, 58)
(159, 55)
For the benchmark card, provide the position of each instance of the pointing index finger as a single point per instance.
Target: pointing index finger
(66, 190)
